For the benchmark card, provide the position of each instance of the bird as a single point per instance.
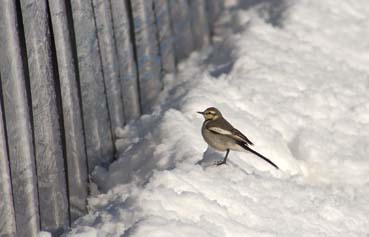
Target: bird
(221, 135)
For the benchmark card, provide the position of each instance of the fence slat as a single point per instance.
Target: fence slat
(214, 9)
(127, 66)
(72, 118)
(52, 191)
(74, 71)
(104, 25)
(94, 104)
(181, 27)
(19, 133)
(166, 46)
(147, 52)
(7, 221)
(199, 23)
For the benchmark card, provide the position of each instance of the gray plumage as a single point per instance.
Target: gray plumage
(222, 136)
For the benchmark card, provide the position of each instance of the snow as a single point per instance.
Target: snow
(44, 234)
(294, 79)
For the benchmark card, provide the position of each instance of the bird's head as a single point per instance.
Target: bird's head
(211, 113)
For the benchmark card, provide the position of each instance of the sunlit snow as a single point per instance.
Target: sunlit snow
(293, 76)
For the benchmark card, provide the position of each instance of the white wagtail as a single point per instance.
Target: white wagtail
(221, 135)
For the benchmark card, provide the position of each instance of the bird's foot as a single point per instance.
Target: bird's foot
(220, 162)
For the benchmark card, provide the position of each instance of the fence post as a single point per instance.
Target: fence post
(53, 201)
(147, 52)
(214, 9)
(181, 28)
(199, 23)
(75, 150)
(18, 125)
(7, 221)
(109, 59)
(165, 38)
(99, 143)
(127, 66)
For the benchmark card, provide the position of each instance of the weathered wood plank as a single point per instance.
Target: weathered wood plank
(75, 148)
(126, 62)
(18, 123)
(98, 135)
(51, 179)
(147, 52)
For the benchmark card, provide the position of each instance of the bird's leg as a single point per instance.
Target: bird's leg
(224, 161)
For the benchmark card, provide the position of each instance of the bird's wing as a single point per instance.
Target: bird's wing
(233, 133)
(219, 130)
(241, 137)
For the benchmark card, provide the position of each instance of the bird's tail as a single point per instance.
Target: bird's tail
(244, 146)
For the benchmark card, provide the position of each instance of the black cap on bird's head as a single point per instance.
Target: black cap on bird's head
(211, 113)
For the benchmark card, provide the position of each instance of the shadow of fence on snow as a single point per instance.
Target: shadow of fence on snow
(72, 72)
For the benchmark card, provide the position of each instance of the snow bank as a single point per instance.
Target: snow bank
(292, 76)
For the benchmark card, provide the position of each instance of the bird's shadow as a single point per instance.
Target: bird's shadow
(210, 157)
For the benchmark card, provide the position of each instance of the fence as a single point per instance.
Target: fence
(71, 72)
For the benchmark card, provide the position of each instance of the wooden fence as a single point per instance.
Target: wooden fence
(71, 72)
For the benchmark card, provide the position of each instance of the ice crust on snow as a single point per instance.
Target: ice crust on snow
(298, 89)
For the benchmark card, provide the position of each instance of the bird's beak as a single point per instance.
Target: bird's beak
(200, 112)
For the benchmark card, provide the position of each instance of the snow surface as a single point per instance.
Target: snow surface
(294, 77)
